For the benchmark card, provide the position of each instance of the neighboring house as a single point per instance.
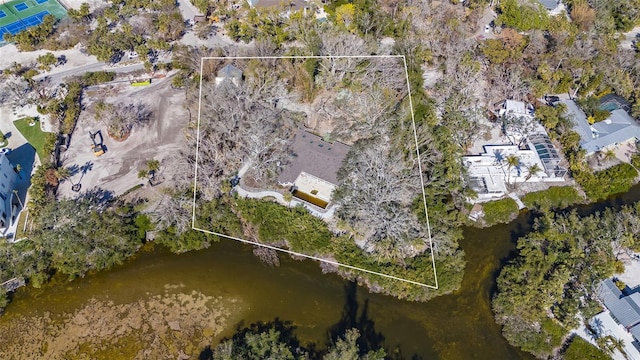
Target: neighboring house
(515, 108)
(8, 204)
(312, 173)
(624, 309)
(490, 174)
(618, 128)
(554, 7)
(229, 73)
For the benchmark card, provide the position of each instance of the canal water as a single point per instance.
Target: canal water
(455, 326)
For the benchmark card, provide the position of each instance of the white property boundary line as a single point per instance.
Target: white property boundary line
(335, 263)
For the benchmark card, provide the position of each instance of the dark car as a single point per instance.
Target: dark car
(551, 99)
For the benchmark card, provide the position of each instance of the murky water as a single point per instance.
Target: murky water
(458, 326)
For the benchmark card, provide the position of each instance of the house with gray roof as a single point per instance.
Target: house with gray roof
(229, 73)
(8, 207)
(549, 5)
(625, 309)
(618, 128)
(313, 172)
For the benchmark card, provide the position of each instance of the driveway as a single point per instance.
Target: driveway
(187, 9)
(58, 77)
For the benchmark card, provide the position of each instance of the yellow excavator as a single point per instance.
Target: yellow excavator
(96, 147)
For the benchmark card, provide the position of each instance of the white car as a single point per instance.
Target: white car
(487, 28)
(5, 151)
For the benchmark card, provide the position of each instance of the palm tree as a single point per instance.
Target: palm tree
(609, 154)
(18, 169)
(512, 161)
(15, 192)
(62, 173)
(533, 171)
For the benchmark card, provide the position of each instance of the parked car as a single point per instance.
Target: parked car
(551, 99)
(5, 151)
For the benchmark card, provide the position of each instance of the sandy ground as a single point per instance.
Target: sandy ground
(631, 275)
(10, 54)
(75, 4)
(117, 170)
(629, 38)
(626, 150)
(171, 325)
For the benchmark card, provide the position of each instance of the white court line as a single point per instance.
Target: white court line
(424, 198)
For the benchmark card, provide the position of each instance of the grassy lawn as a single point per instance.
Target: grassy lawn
(556, 197)
(500, 211)
(33, 134)
(21, 222)
(582, 350)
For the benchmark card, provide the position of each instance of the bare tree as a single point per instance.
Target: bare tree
(518, 128)
(174, 210)
(121, 118)
(241, 124)
(378, 187)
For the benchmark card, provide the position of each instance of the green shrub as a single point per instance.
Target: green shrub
(556, 197)
(602, 184)
(522, 17)
(500, 211)
(580, 349)
(97, 77)
(303, 232)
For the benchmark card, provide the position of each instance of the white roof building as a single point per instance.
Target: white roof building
(490, 174)
(516, 108)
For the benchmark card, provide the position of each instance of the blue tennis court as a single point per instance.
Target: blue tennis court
(2, 14)
(16, 27)
(41, 1)
(21, 6)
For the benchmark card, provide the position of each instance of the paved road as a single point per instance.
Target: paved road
(187, 9)
(56, 78)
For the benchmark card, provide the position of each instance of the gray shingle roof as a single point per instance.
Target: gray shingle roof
(635, 331)
(625, 309)
(619, 127)
(549, 4)
(314, 156)
(230, 71)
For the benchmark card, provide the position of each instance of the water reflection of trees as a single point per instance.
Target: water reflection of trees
(353, 337)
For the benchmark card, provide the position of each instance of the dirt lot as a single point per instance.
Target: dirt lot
(117, 170)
